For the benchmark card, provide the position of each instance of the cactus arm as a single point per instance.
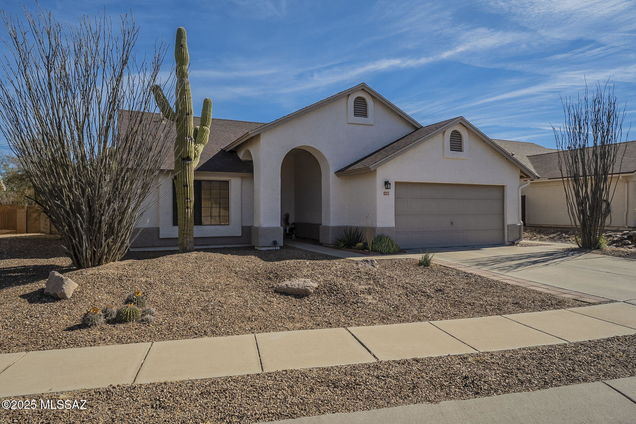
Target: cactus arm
(202, 132)
(163, 104)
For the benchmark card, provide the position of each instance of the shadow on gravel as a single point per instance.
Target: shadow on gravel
(27, 274)
(38, 296)
(283, 254)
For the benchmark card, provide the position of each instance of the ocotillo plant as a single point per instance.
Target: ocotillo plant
(189, 142)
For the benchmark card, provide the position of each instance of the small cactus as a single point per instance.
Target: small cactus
(109, 312)
(149, 312)
(147, 319)
(138, 298)
(93, 317)
(128, 313)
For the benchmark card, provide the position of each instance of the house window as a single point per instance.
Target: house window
(360, 108)
(456, 141)
(211, 203)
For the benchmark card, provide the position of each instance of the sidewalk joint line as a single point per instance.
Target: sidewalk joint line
(258, 352)
(143, 361)
(601, 319)
(537, 329)
(618, 391)
(456, 338)
(363, 345)
(14, 362)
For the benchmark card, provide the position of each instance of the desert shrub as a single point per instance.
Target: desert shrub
(109, 312)
(602, 242)
(138, 298)
(351, 236)
(128, 313)
(426, 259)
(93, 317)
(384, 244)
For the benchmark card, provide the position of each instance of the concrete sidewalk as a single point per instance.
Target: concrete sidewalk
(611, 401)
(175, 360)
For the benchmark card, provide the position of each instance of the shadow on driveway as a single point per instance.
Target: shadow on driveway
(516, 262)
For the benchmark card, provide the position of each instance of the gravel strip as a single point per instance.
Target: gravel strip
(230, 291)
(291, 394)
(621, 244)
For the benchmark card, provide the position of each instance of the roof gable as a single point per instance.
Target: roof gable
(362, 86)
(397, 147)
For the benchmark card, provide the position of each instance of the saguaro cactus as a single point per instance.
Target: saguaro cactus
(189, 142)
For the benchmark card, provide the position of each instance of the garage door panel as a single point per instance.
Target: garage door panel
(428, 215)
(415, 239)
(448, 191)
(449, 222)
(447, 206)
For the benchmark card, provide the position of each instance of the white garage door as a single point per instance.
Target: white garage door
(428, 215)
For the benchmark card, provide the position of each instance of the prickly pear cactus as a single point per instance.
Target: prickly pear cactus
(189, 142)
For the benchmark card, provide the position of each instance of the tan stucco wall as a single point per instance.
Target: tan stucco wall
(327, 134)
(545, 203)
(429, 163)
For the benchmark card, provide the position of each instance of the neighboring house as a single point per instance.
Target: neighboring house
(352, 159)
(543, 199)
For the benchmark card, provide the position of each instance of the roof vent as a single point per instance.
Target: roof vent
(456, 141)
(360, 109)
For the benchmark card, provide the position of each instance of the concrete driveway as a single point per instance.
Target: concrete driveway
(556, 265)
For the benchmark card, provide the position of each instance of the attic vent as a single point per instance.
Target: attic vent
(456, 142)
(360, 109)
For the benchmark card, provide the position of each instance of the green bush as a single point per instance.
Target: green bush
(426, 259)
(351, 236)
(384, 244)
(602, 242)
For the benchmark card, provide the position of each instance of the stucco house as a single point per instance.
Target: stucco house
(352, 159)
(543, 198)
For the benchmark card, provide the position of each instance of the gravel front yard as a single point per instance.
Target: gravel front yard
(290, 394)
(230, 291)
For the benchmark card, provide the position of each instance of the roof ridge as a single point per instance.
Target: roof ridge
(444, 122)
(588, 147)
(361, 86)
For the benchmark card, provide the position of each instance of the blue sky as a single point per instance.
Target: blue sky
(502, 64)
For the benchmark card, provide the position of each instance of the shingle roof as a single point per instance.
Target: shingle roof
(522, 149)
(395, 148)
(368, 162)
(362, 86)
(547, 164)
(213, 157)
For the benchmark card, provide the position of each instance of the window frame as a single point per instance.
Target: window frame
(198, 203)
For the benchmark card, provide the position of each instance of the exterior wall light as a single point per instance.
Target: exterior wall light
(387, 184)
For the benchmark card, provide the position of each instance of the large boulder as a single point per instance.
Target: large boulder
(59, 286)
(298, 287)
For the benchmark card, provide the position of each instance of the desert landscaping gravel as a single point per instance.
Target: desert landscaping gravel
(230, 291)
(291, 394)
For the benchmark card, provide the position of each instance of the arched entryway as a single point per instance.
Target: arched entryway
(301, 195)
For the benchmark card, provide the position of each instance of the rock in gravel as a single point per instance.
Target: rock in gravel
(370, 262)
(297, 287)
(59, 286)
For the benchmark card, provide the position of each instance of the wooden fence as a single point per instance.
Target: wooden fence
(24, 219)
